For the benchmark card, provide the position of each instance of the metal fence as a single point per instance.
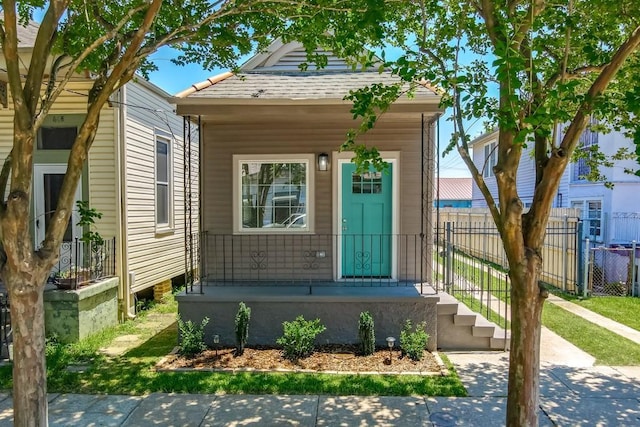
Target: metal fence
(612, 271)
(372, 260)
(5, 326)
(560, 252)
(81, 262)
(479, 285)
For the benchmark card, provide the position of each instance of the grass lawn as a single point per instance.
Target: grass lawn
(607, 347)
(133, 373)
(621, 309)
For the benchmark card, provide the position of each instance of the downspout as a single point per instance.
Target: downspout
(201, 234)
(121, 191)
(422, 207)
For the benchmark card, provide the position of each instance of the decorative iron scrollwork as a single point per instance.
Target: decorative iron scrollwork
(310, 260)
(363, 260)
(258, 260)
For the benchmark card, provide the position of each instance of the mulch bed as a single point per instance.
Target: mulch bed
(326, 358)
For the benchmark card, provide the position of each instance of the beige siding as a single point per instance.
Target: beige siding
(154, 256)
(299, 134)
(101, 169)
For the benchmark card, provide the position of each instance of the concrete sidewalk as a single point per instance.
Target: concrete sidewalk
(596, 396)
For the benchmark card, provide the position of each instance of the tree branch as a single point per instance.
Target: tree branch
(573, 74)
(98, 96)
(488, 13)
(10, 50)
(72, 67)
(41, 52)
(560, 157)
(535, 8)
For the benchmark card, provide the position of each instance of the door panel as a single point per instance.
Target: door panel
(46, 191)
(366, 223)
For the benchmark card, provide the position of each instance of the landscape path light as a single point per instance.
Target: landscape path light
(390, 342)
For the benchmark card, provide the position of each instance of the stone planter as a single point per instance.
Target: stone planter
(72, 282)
(72, 315)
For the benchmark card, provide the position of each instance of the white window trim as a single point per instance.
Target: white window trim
(584, 216)
(490, 158)
(169, 225)
(308, 159)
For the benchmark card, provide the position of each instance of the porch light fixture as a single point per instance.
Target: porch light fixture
(390, 342)
(323, 162)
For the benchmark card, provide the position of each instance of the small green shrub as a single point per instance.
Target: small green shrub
(366, 333)
(413, 343)
(242, 327)
(192, 337)
(299, 336)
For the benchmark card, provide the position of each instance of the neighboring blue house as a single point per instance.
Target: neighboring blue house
(453, 193)
(612, 216)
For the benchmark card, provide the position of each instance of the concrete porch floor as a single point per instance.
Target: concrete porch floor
(293, 289)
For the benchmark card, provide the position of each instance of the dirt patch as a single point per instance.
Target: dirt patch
(327, 358)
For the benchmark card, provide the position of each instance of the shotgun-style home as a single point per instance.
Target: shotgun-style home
(289, 226)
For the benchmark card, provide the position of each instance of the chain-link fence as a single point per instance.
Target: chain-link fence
(613, 271)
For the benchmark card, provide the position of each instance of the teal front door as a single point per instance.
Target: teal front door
(366, 223)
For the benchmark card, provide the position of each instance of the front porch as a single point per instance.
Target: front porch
(371, 260)
(337, 304)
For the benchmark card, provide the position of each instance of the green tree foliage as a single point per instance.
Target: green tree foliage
(109, 42)
(541, 72)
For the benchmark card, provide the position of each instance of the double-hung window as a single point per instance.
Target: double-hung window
(592, 217)
(490, 159)
(163, 182)
(273, 194)
(587, 144)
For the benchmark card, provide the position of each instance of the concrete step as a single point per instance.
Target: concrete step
(447, 304)
(483, 329)
(464, 319)
(460, 328)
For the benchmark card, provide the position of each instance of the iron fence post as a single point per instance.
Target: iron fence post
(448, 261)
(578, 256)
(565, 246)
(633, 268)
(585, 284)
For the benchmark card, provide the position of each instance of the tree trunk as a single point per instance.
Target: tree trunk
(527, 300)
(24, 273)
(29, 363)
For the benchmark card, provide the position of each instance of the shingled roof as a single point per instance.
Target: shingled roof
(276, 74)
(26, 35)
(292, 85)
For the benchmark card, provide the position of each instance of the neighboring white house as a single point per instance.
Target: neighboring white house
(134, 176)
(612, 216)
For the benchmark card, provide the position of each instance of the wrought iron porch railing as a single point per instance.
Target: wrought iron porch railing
(5, 326)
(80, 263)
(359, 260)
